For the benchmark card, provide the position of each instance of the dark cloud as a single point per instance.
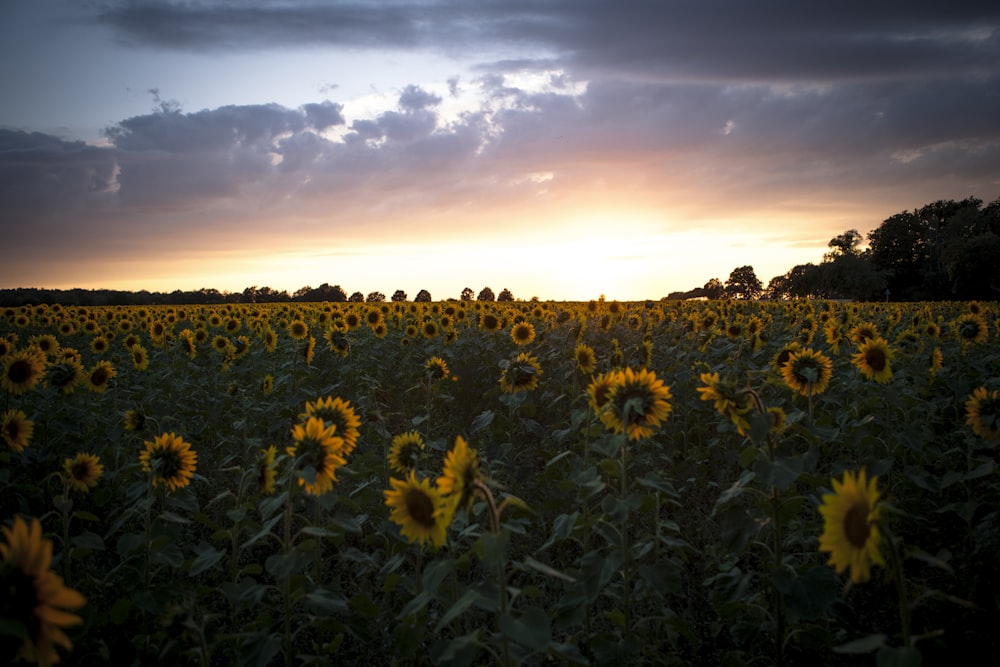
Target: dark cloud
(414, 97)
(768, 40)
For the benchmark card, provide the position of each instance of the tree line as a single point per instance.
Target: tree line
(946, 250)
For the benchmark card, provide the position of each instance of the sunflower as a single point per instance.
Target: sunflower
(808, 372)
(339, 413)
(170, 459)
(83, 471)
(873, 359)
(47, 343)
(16, 430)
(65, 376)
(135, 420)
(298, 330)
(22, 370)
(851, 533)
(100, 375)
(308, 350)
(861, 332)
(586, 360)
(140, 357)
(337, 340)
(522, 333)
(937, 361)
(599, 391)
(784, 354)
(267, 471)
(36, 599)
(729, 399)
(374, 317)
(406, 451)
(637, 404)
(419, 509)
(460, 473)
(778, 419)
(267, 384)
(521, 374)
(490, 322)
(429, 329)
(982, 412)
(972, 328)
(316, 455)
(436, 369)
(221, 344)
(99, 344)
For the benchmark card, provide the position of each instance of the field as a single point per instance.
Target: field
(714, 482)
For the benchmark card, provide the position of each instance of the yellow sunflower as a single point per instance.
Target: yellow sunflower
(436, 369)
(522, 333)
(406, 451)
(937, 362)
(586, 360)
(873, 359)
(459, 474)
(490, 322)
(36, 599)
(851, 533)
(521, 374)
(170, 459)
(22, 370)
(784, 354)
(419, 509)
(83, 471)
(140, 357)
(971, 328)
(728, 398)
(317, 453)
(16, 430)
(599, 391)
(135, 420)
(100, 375)
(638, 404)
(337, 340)
(982, 412)
(65, 376)
(807, 372)
(298, 330)
(267, 384)
(861, 332)
(339, 413)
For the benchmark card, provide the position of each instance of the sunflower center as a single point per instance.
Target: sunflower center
(19, 598)
(420, 508)
(100, 376)
(19, 371)
(875, 358)
(856, 527)
(12, 429)
(80, 471)
(168, 463)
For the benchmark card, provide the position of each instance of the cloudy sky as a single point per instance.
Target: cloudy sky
(559, 148)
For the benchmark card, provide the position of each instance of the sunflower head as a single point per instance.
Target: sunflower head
(638, 403)
(170, 460)
(851, 532)
(406, 451)
(522, 333)
(22, 370)
(972, 328)
(338, 413)
(586, 360)
(872, 359)
(83, 471)
(419, 509)
(807, 372)
(436, 369)
(520, 374)
(982, 412)
(316, 454)
(267, 471)
(728, 398)
(35, 598)
(460, 473)
(16, 429)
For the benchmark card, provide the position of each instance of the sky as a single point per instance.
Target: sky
(563, 149)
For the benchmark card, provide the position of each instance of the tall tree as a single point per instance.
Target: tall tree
(467, 294)
(505, 295)
(743, 284)
(485, 294)
(423, 295)
(399, 295)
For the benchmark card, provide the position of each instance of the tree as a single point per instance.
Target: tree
(505, 295)
(714, 289)
(844, 245)
(743, 284)
(467, 294)
(399, 295)
(357, 297)
(337, 293)
(375, 297)
(485, 294)
(423, 295)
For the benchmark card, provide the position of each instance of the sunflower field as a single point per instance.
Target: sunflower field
(476, 483)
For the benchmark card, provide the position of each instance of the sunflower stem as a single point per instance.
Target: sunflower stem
(897, 576)
(626, 602)
(286, 586)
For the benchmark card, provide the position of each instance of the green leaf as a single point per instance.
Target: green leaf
(88, 540)
(207, 558)
(861, 646)
(457, 609)
(901, 656)
(533, 629)
(482, 420)
(547, 570)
